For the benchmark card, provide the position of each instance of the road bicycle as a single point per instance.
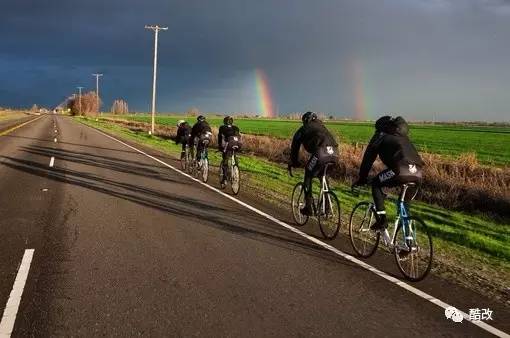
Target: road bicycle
(327, 208)
(229, 171)
(410, 241)
(200, 167)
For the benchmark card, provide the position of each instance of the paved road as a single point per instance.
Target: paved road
(124, 246)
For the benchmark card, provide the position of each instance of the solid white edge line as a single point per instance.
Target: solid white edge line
(342, 254)
(52, 161)
(11, 308)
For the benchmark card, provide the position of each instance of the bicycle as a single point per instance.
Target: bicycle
(410, 238)
(231, 171)
(327, 209)
(201, 167)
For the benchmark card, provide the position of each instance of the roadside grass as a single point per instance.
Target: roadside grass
(472, 249)
(11, 115)
(489, 143)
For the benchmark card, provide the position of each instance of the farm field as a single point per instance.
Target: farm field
(489, 143)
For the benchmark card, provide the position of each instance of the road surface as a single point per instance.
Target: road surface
(125, 246)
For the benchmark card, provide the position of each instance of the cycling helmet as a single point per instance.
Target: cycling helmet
(308, 116)
(382, 123)
(228, 120)
(180, 122)
(201, 118)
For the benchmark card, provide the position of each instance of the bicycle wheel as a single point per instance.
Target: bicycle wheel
(413, 249)
(205, 169)
(363, 240)
(184, 159)
(235, 179)
(328, 215)
(298, 202)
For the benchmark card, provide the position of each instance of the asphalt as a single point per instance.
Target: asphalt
(124, 246)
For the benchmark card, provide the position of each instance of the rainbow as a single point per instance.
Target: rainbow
(360, 97)
(266, 106)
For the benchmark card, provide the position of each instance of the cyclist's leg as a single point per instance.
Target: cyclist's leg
(311, 170)
(386, 178)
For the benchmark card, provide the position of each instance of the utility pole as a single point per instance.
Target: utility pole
(156, 30)
(97, 90)
(79, 98)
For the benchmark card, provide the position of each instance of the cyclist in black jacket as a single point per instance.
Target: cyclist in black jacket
(228, 136)
(201, 131)
(404, 164)
(322, 146)
(183, 135)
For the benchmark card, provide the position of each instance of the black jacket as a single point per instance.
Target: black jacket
(312, 136)
(200, 128)
(225, 132)
(183, 133)
(394, 150)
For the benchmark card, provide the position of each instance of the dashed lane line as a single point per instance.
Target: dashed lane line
(11, 309)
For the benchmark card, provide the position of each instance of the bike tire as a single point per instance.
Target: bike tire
(235, 179)
(330, 220)
(297, 202)
(421, 243)
(363, 240)
(184, 159)
(205, 170)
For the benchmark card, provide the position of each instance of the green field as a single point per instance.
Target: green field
(462, 241)
(491, 144)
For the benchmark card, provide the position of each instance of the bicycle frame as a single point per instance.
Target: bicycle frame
(324, 189)
(402, 214)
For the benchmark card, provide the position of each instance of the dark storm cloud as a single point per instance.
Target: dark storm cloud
(416, 57)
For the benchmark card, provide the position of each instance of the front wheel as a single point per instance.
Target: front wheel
(364, 241)
(184, 159)
(298, 202)
(328, 215)
(413, 249)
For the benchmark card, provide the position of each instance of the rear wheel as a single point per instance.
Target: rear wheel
(413, 249)
(328, 215)
(235, 179)
(205, 170)
(298, 202)
(184, 159)
(364, 241)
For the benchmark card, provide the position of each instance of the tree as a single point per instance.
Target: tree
(120, 107)
(87, 105)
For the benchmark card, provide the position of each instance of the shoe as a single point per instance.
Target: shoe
(380, 224)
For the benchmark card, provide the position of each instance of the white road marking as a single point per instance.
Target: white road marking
(55, 140)
(342, 254)
(52, 161)
(11, 308)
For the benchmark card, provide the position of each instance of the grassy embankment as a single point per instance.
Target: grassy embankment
(471, 249)
(8, 114)
(489, 143)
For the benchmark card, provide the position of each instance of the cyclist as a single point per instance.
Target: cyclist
(321, 145)
(228, 137)
(200, 132)
(183, 135)
(404, 164)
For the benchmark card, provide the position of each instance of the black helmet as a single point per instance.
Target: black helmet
(228, 120)
(382, 123)
(308, 116)
(201, 118)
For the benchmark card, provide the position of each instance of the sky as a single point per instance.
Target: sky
(423, 59)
